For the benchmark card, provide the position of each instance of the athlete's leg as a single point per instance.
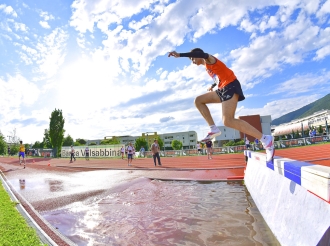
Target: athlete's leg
(202, 100)
(228, 118)
(158, 158)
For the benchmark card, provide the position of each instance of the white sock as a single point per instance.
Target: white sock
(264, 138)
(214, 128)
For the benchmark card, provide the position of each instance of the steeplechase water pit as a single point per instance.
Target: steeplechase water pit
(112, 207)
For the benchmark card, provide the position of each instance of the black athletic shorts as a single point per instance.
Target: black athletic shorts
(228, 91)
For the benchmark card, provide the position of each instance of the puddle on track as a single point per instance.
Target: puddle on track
(124, 208)
(153, 212)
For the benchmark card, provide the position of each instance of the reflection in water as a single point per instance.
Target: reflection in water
(152, 212)
(22, 184)
(55, 185)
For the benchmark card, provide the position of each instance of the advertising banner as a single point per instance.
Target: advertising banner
(94, 151)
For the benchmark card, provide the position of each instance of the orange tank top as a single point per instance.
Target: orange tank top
(220, 73)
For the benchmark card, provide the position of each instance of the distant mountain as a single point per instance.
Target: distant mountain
(321, 104)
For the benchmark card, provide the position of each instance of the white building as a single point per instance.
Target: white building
(320, 118)
(188, 139)
(228, 133)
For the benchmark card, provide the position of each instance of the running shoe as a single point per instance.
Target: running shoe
(270, 149)
(211, 135)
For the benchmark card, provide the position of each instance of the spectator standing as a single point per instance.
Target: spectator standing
(130, 151)
(72, 154)
(209, 145)
(155, 152)
(198, 147)
(256, 144)
(122, 150)
(310, 133)
(8, 149)
(21, 153)
(247, 143)
(87, 153)
(142, 152)
(314, 132)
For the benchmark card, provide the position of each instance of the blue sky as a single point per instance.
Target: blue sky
(105, 64)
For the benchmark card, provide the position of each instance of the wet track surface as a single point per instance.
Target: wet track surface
(104, 202)
(109, 207)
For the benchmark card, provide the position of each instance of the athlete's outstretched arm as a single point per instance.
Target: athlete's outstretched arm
(173, 53)
(195, 54)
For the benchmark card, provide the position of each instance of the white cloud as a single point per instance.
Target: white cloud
(16, 92)
(324, 10)
(281, 106)
(46, 16)
(323, 52)
(52, 50)
(154, 35)
(6, 36)
(268, 53)
(44, 24)
(111, 87)
(303, 83)
(48, 54)
(139, 24)
(4, 26)
(20, 27)
(10, 11)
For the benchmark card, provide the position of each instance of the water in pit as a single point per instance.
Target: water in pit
(154, 212)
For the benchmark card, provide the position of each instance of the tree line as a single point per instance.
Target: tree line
(54, 138)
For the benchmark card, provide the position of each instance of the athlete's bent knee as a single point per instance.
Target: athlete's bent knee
(227, 121)
(198, 101)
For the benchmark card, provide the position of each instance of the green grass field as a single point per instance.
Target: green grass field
(14, 230)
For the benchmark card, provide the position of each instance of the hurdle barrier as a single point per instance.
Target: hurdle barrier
(292, 196)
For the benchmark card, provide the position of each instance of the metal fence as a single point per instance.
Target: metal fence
(240, 148)
(301, 141)
(106, 151)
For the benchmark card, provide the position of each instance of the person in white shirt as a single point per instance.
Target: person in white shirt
(130, 152)
(198, 147)
(122, 150)
(247, 143)
(142, 152)
(155, 149)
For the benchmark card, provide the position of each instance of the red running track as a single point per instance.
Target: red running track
(225, 165)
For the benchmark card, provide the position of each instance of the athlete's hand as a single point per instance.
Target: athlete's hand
(173, 53)
(210, 88)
